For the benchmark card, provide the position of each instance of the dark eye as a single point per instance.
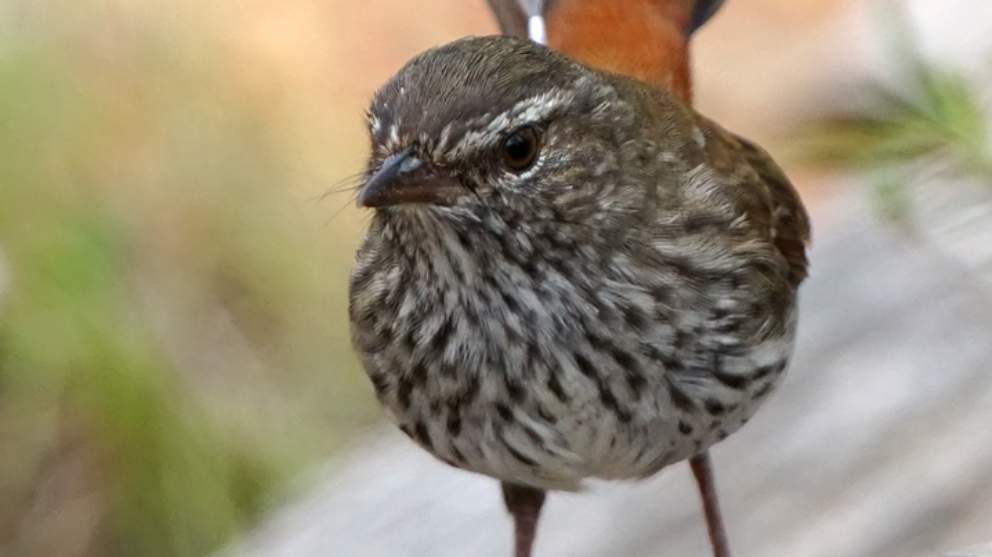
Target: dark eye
(519, 149)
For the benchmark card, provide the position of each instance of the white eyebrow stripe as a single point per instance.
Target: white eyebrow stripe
(445, 136)
(529, 110)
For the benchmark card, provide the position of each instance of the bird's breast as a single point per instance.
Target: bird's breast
(510, 358)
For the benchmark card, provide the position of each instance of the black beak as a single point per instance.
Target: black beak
(404, 178)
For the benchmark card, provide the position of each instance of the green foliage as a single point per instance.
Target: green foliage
(935, 115)
(942, 117)
(172, 318)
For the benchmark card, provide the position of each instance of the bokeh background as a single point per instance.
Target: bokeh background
(176, 231)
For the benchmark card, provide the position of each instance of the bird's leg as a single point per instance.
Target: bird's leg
(703, 470)
(524, 504)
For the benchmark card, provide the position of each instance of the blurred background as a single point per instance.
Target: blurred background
(176, 377)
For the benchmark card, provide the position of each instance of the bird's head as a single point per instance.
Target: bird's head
(506, 126)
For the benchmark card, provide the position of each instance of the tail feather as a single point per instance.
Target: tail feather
(512, 17)
(702, 11)
(643, 39)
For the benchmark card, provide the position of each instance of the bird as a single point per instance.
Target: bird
(569, 273)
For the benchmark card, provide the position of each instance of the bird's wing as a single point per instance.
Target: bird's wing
(789, 227)
(772, 202)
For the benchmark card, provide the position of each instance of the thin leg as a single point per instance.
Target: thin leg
(703, 470)
(524, 504)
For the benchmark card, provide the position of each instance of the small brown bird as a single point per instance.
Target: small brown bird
(569, 273)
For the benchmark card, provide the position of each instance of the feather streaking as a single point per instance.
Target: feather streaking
(623, 304)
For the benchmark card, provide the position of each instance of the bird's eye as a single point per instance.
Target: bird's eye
(519, 149)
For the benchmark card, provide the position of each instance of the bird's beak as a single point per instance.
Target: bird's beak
(404, 178)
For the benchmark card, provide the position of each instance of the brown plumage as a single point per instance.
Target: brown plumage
(570, 273)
